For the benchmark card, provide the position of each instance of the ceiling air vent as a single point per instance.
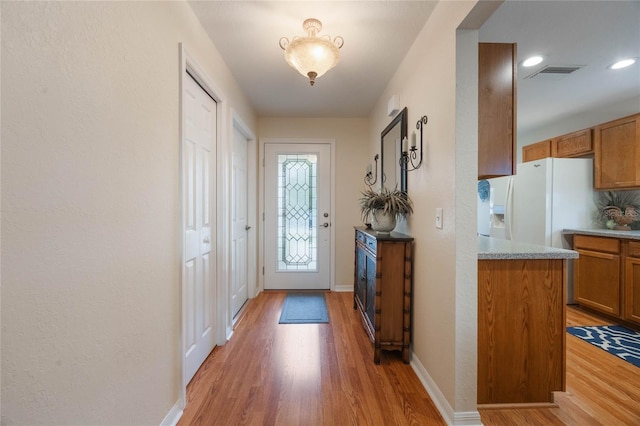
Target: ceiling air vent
(555, 72)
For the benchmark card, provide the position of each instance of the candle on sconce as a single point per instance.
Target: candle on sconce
(404, 144)
(413, 141)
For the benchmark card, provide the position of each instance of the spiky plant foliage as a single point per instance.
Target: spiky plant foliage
(620, 199)
(393, 202)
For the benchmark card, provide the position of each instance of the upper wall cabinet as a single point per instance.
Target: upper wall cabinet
(574, 144)
(536, 151)
(496, 109)
(617, 154)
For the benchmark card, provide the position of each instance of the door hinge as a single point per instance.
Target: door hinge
(263, 216)
(263, 270)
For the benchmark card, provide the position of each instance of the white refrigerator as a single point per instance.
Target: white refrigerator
(540, 200)
(548, 196)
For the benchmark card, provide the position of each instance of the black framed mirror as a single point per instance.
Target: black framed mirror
(394, 172)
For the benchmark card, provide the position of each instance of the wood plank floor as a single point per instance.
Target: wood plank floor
(323, 374)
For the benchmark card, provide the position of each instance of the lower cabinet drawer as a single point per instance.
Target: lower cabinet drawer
(603, 244)
(634, 249)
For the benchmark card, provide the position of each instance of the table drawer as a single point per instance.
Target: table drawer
(367, 241)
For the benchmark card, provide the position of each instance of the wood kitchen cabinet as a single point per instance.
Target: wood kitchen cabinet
(617, 154)
(574, 144)
(383, 289)
(536, 151)
(596, 273)
(496, 109)
(632, 283)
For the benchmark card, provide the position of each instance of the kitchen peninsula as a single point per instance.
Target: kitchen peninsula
(521, 322)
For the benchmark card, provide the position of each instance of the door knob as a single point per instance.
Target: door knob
(326, 225)
(247, 227)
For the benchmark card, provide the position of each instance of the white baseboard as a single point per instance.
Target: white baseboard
(453, 418)
(174, 415)
(343, 287)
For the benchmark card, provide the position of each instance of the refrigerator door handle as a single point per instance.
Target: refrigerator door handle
(508, 218)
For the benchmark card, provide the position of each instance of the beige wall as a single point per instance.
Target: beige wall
(444, 311)
(351, 140)
(90, 197)
(90, 270)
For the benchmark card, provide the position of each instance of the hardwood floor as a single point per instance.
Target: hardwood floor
(305, 374)
(323, 374)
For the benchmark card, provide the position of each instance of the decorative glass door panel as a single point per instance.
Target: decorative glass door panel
(297, 212)
(297, 224)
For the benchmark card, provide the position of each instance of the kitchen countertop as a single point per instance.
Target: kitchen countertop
(498, 249)
(631, 235)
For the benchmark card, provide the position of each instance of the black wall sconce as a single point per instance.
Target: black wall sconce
(370, 179)
(410, 153)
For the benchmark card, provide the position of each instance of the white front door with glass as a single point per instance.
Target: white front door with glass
(297, 221)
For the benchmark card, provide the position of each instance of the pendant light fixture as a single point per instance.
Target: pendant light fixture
(312, 56)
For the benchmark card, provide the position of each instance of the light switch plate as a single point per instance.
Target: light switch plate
(439, 217)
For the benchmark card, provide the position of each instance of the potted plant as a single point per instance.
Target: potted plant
(618, 209)
(384, 207)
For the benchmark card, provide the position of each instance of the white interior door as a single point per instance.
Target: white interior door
(297, 199)
(199, 234)
(239, 225)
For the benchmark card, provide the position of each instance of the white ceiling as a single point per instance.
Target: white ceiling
(377, 35)
(593, 34)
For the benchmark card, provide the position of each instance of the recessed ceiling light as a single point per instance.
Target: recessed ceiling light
(531, 61)
(623, 64)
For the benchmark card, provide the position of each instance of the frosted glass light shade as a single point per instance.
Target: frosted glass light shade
(312, 56)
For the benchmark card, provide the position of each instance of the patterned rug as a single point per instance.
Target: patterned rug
(304, 308)
(615, 339)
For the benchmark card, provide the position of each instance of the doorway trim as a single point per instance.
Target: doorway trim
(189, 64)
(332, 187)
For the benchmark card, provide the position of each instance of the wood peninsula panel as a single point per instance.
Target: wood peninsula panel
(573, 144)
(536, 151)
(521, 330)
